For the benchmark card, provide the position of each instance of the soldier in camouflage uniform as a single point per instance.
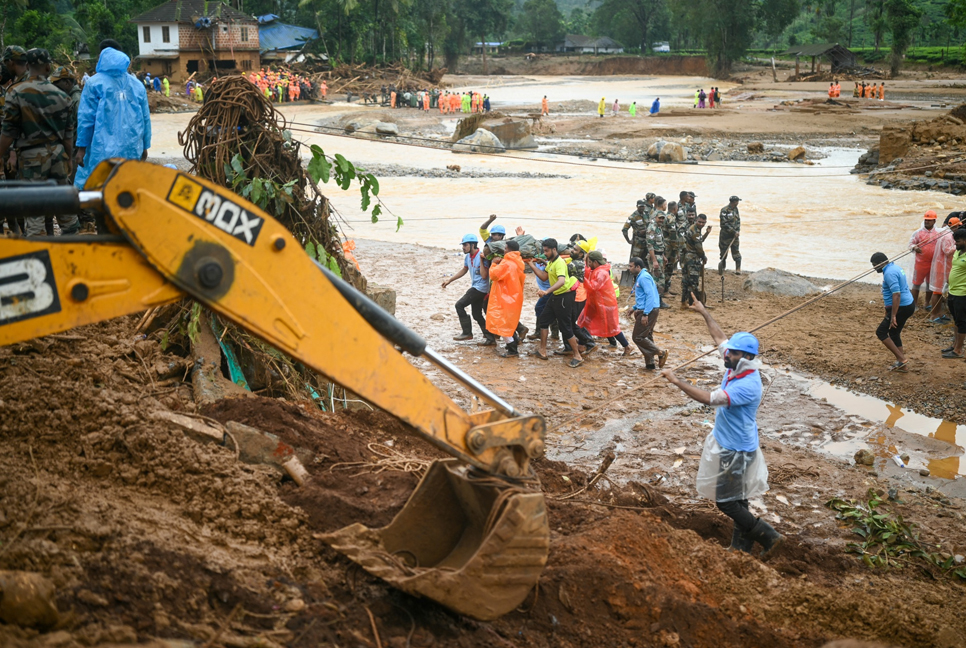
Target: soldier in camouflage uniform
(637, 222)
(36, 116)
(13, 69)
(674, 228)
(656, 246)
(728, 236)
(64, 80)
(693, 259)
(687, 207)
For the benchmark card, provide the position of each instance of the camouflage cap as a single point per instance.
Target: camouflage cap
(649, 195)
(60, 73)
(735, 199)
(38, 56)
(14, 53)
(641, 203)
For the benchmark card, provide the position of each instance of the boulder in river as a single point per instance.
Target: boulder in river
(654, 150)
(780, 282)
(797, 153)
(387, 128)
(482, 141)
(673, 152)
(513, 134)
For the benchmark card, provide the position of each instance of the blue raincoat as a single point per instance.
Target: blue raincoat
(113, 119)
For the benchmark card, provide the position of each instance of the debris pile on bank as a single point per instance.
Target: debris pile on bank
(364, 79)
(923, 155)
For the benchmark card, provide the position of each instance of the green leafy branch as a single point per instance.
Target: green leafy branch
(887, 539)
(269, 195)
(343, 172)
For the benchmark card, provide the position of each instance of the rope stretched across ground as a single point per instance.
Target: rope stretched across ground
(777, 318)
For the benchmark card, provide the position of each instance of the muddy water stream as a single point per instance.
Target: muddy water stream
(816, 220)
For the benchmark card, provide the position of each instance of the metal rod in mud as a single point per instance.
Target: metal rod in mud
(469, 382)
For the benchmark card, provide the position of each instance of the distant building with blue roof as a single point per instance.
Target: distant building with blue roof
(278, 40)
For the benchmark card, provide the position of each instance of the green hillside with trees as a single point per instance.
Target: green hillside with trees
(428, 33)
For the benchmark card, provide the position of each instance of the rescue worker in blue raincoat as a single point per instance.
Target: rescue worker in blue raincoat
(113, 119)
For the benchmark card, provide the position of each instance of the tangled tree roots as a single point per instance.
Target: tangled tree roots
(237, 125)
(238, 138)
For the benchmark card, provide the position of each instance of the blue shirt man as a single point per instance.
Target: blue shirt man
(899, 307)
(646, 298)
(894, 281)
(647, 308)
(732, 469)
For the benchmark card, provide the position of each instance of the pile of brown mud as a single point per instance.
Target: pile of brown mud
(176, 103)
(922, 155)
(146, 534)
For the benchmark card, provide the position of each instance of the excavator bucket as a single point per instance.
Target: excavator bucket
(471, 543)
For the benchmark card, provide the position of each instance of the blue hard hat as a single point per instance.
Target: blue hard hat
(470, 238)
(498, 229)
(743, 342)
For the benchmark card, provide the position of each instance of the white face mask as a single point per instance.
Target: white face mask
(745, 364)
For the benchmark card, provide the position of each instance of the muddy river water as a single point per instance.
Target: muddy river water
(816, 220)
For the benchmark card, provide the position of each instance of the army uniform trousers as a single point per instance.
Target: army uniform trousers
(47, 162)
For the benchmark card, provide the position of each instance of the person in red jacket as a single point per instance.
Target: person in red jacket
(601, 314)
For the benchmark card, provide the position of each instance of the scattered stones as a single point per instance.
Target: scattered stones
(864, 457)
(924, 472)
(399, 171)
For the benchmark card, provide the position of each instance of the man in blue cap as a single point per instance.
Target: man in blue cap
(498, 233)
(476, 295)
(732, 469)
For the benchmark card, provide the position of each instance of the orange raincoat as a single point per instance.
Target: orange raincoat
(601, 315)
(506, 295)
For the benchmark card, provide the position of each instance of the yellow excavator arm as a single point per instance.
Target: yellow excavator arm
(473, 536)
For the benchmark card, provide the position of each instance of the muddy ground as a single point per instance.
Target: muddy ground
(149, 535)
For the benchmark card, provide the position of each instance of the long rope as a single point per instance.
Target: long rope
(777, 318)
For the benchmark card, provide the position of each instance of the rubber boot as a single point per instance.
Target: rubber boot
(511, 350)
(721, 266)
(741, 542)
(765, 535)
(738, 268)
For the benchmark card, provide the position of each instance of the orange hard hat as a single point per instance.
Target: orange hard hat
(930, 215)
(954, 221)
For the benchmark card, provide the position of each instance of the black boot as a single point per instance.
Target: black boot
(511, 350)
(765, 535)
(741, 542)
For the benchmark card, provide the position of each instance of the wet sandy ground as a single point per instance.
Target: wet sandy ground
(657, 434)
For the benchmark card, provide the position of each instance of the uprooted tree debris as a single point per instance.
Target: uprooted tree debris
(238, 140)
(360, 79)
